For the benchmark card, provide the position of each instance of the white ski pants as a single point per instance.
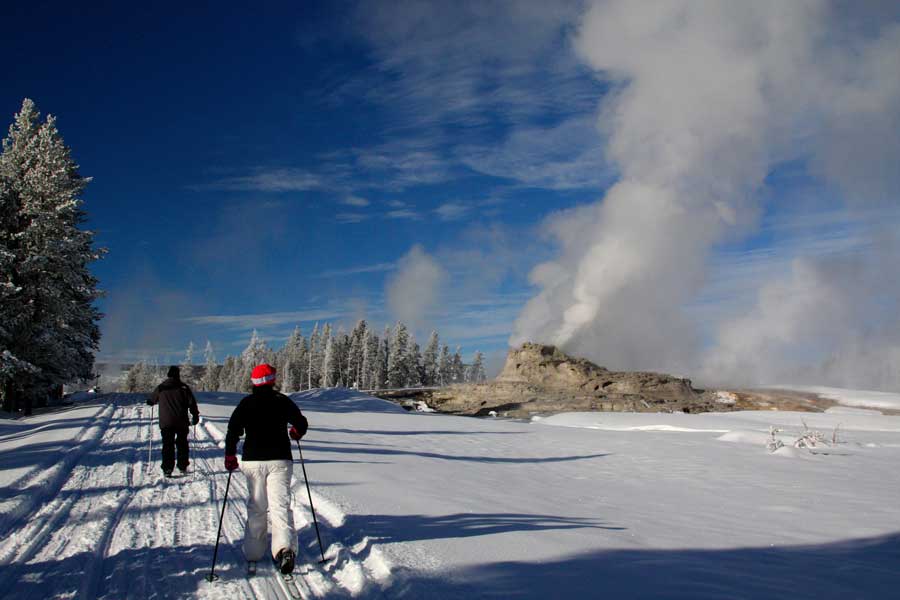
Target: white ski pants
(269, 486)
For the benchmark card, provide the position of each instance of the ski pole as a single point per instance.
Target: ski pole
(212, 573)
(150, 439)
(311, 507)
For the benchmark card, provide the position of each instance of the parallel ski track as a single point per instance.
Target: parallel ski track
(95, 504)
(76, 514)
(44, 481)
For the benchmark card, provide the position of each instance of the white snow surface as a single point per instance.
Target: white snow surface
(422, 505)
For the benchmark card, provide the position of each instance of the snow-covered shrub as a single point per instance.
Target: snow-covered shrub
(774, 443)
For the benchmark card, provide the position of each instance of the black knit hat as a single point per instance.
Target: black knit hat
(174, 372)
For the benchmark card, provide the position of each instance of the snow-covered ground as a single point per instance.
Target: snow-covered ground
(580, 505)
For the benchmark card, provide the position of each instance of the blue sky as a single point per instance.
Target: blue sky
(248, 162)
(324, 161)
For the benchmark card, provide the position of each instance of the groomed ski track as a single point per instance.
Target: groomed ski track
(95, 520)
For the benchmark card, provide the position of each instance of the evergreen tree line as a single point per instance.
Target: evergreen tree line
(48, 321)
(359, 359)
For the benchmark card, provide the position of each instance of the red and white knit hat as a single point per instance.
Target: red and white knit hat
(263, 374)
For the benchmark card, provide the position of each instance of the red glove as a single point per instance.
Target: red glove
(295, 435)
(231, 462)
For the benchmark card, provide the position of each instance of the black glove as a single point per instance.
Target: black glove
(195, 420)
(149, 402)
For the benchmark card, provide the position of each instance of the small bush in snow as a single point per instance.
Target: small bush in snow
(774, 443)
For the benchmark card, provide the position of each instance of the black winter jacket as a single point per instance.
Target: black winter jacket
(175, 400)
(264, 415)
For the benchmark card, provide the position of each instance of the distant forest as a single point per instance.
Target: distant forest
(359, 359)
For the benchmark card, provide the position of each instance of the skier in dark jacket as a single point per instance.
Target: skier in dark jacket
(268, 465)
(175, 400)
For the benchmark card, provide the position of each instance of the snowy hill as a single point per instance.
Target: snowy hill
(580, 505)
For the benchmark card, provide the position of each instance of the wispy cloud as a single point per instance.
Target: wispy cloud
(347, 217)
(376, 268)
(355, 201)
(402, 213)
(267, 180)
(261, 320)
(566, 156)
(450, 211)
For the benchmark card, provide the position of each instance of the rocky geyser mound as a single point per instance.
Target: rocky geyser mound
(539, 379)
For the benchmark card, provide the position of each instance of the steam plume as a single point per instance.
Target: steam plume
(708, 98)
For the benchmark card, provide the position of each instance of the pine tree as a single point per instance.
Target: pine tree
(397, 360)
(315, 358)
(209, 382)
(255, 353)
(130, 384)
(476, 369)
(188, 371)
(414, 371)
(341, 346)
(430, 360)
(284, 369)
(49, 319)
(457, 368)
(149, 376)
(355, 354)
(294, 361)
(227, 375)
(445, 363)
(328, 360)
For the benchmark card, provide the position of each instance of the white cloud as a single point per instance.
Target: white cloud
(247, 322)
(402, 213)
(267, 180)
(562, 157)
(355, 201)
(376, 268)
(346, 217)
(450, 211)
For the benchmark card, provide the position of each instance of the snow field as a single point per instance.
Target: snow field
(417, 505)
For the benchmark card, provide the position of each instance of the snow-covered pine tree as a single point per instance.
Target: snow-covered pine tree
(226, 375)
(315, 358)
(293, 362)
(476, 369)
(54, 332)
(210, 380)
(286, 380)
(328, 359)
(149, 376)
(368, 359)
(341, 344)
(255, 353)
(397, 361)
(445, 364)
(188, 371)
(355, 352)
(384, 350)
(430, 360)
(457, 368)
(414, 373)
(129, 386)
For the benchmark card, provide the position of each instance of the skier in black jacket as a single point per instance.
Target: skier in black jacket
(175, 400)
(268, 465)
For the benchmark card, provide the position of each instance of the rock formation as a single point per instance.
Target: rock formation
(539, 379)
